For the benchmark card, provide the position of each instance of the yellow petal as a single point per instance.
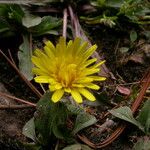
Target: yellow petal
(76, 95)
(58, 86)
(88, 71)
(50, 45)
(57, 95)
(77, 85)
(49, 52)
(98, 64)
(43, 79)
(84, 80)
(37, 61)
(62, 43)
(92, 86)
(87, 94)
(68, 90)
(38, 52)
(52, 88)
(76, 45)
(89, 62)
(38, 71)
(97, 78)
(69, 47)
(82, 49)
(90, 51)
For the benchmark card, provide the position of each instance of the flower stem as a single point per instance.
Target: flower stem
(65, 23)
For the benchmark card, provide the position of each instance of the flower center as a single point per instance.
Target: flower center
(67, 74)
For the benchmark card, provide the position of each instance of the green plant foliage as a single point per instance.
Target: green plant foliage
(124, 49)
(48, 23)
(74, 110)
(30, 20)
(51, 119)
(142, 144)
(144, 116)
(108, 3)
(32, 146)
(125, 113)
(142, 121)
(77, 147)
(24, 56)
(10, 17)
(83, 120)
(16, 18)
(133, 36)
(29, 130)
(111, 12)
(50, 122)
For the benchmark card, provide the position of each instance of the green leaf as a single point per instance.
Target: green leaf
(77, 147)
(142, 144)
(15, 13)
(114, 3)
(29, 130)
(125, 113)
(50, 119)
(83, 120)
(73, 147)
(144, 116)
(124, 49)
(32, 146)
(47, 24)
(43, 116)
(133, 36)
(24, 56)
(30, 20)
(76, 110)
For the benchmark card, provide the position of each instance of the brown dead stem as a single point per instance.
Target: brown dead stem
(17, 99)
(120, 129)
(30, 85)
(4, 107)
(79, 32)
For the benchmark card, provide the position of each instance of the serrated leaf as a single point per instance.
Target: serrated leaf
(42, 116)
(29, 130)
(144, 116)
(30, 20)
(83, 120)
(47, 24)
(125, 113)
(133, 36)
(24, 56)
(50, 119)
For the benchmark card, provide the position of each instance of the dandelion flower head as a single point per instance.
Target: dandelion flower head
(67, 68)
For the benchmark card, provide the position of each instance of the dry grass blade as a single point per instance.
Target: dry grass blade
(3, 107)
(31, 86)
(17, 99)
(79, 32)
(65, 23)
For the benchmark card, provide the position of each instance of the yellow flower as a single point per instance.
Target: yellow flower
(67, 68)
